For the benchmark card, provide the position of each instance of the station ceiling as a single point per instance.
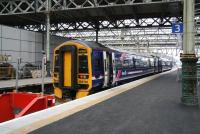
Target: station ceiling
(110, 13)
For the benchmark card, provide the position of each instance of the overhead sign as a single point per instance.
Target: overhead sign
(177, 28)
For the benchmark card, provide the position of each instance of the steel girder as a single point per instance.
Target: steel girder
(147, 35)
(111, 24)
(8, 7)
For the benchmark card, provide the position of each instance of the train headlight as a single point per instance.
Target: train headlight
(83, 76)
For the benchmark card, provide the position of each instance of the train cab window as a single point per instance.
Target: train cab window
(83, 64)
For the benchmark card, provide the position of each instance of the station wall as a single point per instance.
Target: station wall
(25, 44)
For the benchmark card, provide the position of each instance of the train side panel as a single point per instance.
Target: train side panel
(130, 66)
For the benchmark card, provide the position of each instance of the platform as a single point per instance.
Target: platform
(151, 108)
(5, 84)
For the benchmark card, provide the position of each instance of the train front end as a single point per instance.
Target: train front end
(72, 75)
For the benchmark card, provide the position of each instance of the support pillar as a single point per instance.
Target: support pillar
(48, 39)
(188, 58)
(97, 35)
(97, 31)
(189, 79)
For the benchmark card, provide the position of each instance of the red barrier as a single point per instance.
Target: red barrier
(14, 105)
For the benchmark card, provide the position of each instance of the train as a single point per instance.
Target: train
(81, 67)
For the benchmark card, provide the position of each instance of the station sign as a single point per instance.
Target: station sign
(177, 27)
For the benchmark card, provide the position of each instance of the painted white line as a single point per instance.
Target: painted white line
(42, 118)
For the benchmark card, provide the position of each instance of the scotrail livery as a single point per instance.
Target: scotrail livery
(81, 67)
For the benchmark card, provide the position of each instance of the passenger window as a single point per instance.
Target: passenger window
(83, 64)
(97, 64)
(126, 64)
(118, 64)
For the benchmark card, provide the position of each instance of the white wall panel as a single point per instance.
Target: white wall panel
(9, 44)
(14, 56)
(27, 46)
(0, 46)
(38, 37)
(9, 32)
(28, 57)
(38, 57)
(0, 39)
(0, 30)
(28, 35)
(38, 47)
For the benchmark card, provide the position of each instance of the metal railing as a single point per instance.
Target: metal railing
(19, 70)
(23, 70)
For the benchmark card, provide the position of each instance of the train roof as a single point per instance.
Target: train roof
(93, 45)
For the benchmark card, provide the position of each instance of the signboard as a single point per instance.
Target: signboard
(177, 28)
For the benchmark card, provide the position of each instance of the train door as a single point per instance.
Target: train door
(113, 69)
(159, 65)
(155, 65)
(68, 71)
(106, 62)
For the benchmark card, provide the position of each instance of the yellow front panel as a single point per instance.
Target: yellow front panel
(67, 69)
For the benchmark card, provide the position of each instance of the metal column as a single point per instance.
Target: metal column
(48, 37)
(43, 70)
(188, 58)
(97, 31)
(97, 35)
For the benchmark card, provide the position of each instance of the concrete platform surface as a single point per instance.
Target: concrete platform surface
(151, 108)
(24, 82)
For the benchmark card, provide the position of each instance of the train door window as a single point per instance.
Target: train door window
(83, 64)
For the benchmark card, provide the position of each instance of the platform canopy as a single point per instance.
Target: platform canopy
(32, 12)
(116, 22)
